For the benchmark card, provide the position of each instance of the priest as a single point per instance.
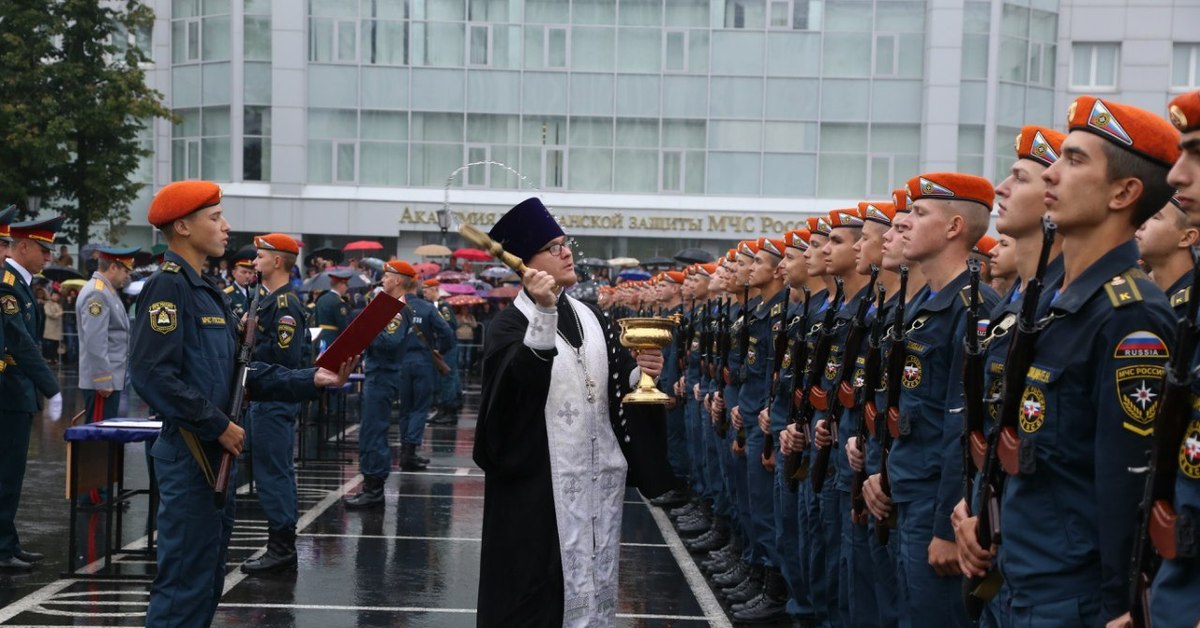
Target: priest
(555, 442)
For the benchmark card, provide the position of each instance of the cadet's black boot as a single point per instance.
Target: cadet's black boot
(281, 553)
(771, 606)
(732, 577)
(685, 509)
(370, 496)
(445, 416)
(671, 499)
(698, 523)
(722, 564)
(749, 587)
(716, 537)
(408, 458)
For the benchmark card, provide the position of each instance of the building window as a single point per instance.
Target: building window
(1094, 65)
(554, 167)
(333, 41)
(671, 176)
(556, 47)
(479, 176)
(345, 162)
(480, 51)
(200, 144)
(256, 144)
(791, 14)
(886, 52)
(675, 51)
(1185, 66)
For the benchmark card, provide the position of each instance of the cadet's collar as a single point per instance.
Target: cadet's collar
(947, 295)
(850, 307)
(193, 277)
(24, 274)
(1120, 259)
(775, 298)
(1181, 283)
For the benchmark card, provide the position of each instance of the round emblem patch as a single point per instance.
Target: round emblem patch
(163, 317)
(9, 303)
(993, 392)
(787, 358)
(1138, 387)
(94, 308)
(751, 356)
(393, 325)
(911, 377)
(1189, 452)
(831, 369)
(1033, 409)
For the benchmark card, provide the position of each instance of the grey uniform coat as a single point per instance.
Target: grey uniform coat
(103, 336)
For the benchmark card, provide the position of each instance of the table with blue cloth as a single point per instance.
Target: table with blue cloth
(96, 460)
(326, 421)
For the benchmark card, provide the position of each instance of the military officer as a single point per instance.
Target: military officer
(381, 389)
(332, 311)
(1165, 245)
(6, 216)
(279, 339)
(26, 377)
(427, 332)
(104, 333)
(240, 291)
(182, 363)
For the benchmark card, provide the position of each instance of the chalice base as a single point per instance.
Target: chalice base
(646, 393)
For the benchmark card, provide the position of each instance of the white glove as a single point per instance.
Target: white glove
(54, 407)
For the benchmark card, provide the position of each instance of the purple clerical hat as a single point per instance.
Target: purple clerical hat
(526, 228)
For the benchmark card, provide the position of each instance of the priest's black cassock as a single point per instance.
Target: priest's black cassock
(522, 564)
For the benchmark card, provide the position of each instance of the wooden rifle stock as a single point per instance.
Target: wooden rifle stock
(799, 360)
(744, 346)
(815, 396)
(237, 399)
(779, 347)
(858, 505)
(891, 414)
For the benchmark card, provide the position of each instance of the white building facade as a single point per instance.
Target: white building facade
(646, 125)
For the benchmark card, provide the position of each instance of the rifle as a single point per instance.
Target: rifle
(237, 399)
(1003, 444)
(973, 366)
(722, 375)
(779, 346)
(844, 382)
(799, 363)
(815, 395)
(744, 345)
(866, 401)
(1158, 522)
(891, 414)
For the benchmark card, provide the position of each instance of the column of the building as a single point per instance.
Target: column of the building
(289, 60)
(942, 85)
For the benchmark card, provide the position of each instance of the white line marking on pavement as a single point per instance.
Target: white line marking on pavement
(420, 609)
(33, 600)
(708, 602)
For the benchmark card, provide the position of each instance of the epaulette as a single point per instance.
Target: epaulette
(965, 295)
(9, 278)
(99, 285)
(281, 301)
(229, 290)
(1181, 297)
(1122, 290)
(775, 311)
(170, 267)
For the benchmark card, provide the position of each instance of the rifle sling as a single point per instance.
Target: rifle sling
(193, 445)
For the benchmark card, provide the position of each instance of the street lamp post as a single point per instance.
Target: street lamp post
(443, 221)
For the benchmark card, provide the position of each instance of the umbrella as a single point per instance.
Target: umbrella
(594, 262)
(374, 263)
(60, 274)
(498, 272)
(633, 274)
(658, 263)
(321, 282)
(329, 253)
(432, 250)
(458, 288)
(426, 269)
(504, 292)
(623, 262)
(464, 299)
(478, 285)
(74, 283)
(694, 256)
(453, 276)
(363, 245)
(135, 287)
(585, 291)
(474, 255)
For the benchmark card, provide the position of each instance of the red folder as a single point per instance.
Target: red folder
(362, 330)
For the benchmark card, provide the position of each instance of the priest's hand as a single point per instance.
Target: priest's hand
(650, 361)
(540, 286)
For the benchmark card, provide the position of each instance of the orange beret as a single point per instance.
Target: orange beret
(708, 270)
(880, 212)
(1129, 127)
(985, 245)
(748, 248)
(772, 246)
(400, 266)
(181, 198)
(952, 186)
(277, 242)
(847, 217)
(1184, 111)
(731, 255)
(822, 227)
(900, 200)
(797, 239)
(432, 283)
(674, 276)
(1038, 143)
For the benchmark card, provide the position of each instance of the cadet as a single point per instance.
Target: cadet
(240, 290)
(449, 386)
(280, 339)
(1165, 246)
(26, 377)
(669, 285)
(381, 389)
(182, 363)
(1177, 584)
(427, 331)
(949, 213)
(1069, 508)
(104, 333)
(332, 312)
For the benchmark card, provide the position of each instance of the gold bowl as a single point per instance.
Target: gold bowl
(647, 333)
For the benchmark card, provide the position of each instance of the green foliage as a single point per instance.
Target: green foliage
(78, 102)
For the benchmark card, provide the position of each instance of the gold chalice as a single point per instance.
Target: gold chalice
(647, 333)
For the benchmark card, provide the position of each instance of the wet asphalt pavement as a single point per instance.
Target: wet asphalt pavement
(412, 563)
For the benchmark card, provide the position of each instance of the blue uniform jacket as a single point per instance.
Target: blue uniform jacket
(281, 337)
(26, 378)
(926, 458)
(332, 316)
(670, 371)
(1088, 411)
(765, 320)
(421, 314)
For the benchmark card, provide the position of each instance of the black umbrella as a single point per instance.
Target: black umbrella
(329, 253)
(593, 262)
(658, 262)
(60, 274)
(694, 256)
(321, 282)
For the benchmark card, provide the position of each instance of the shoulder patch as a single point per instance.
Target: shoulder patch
(1122, 290)
(163, 317)
(10, 278)
(1139, 388)
(95, 307)
(9, 304)
(1181, 297)
(1189, 451)
(170, 267)
(1141, 344)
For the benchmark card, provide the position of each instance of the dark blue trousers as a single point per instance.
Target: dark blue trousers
(271, 453)
(14, 452)
(416, 397)
(380, 390)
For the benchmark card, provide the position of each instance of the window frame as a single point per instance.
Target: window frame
(334, 144)
(662, 160)
(667, 32)
(488, 44)
(546, 47)
(1193, 69)
(1091, 85)
(546, 149)
(467, 159)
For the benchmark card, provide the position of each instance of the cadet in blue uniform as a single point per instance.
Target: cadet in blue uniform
(448, 399)
(426, 331)
(1165, 246)
(182, 359)
(950, 212)
(26, 378)
(241, 288)
(381, 389)
(280, 340)
(1090, 398)
(669, 298)
(332, 312)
